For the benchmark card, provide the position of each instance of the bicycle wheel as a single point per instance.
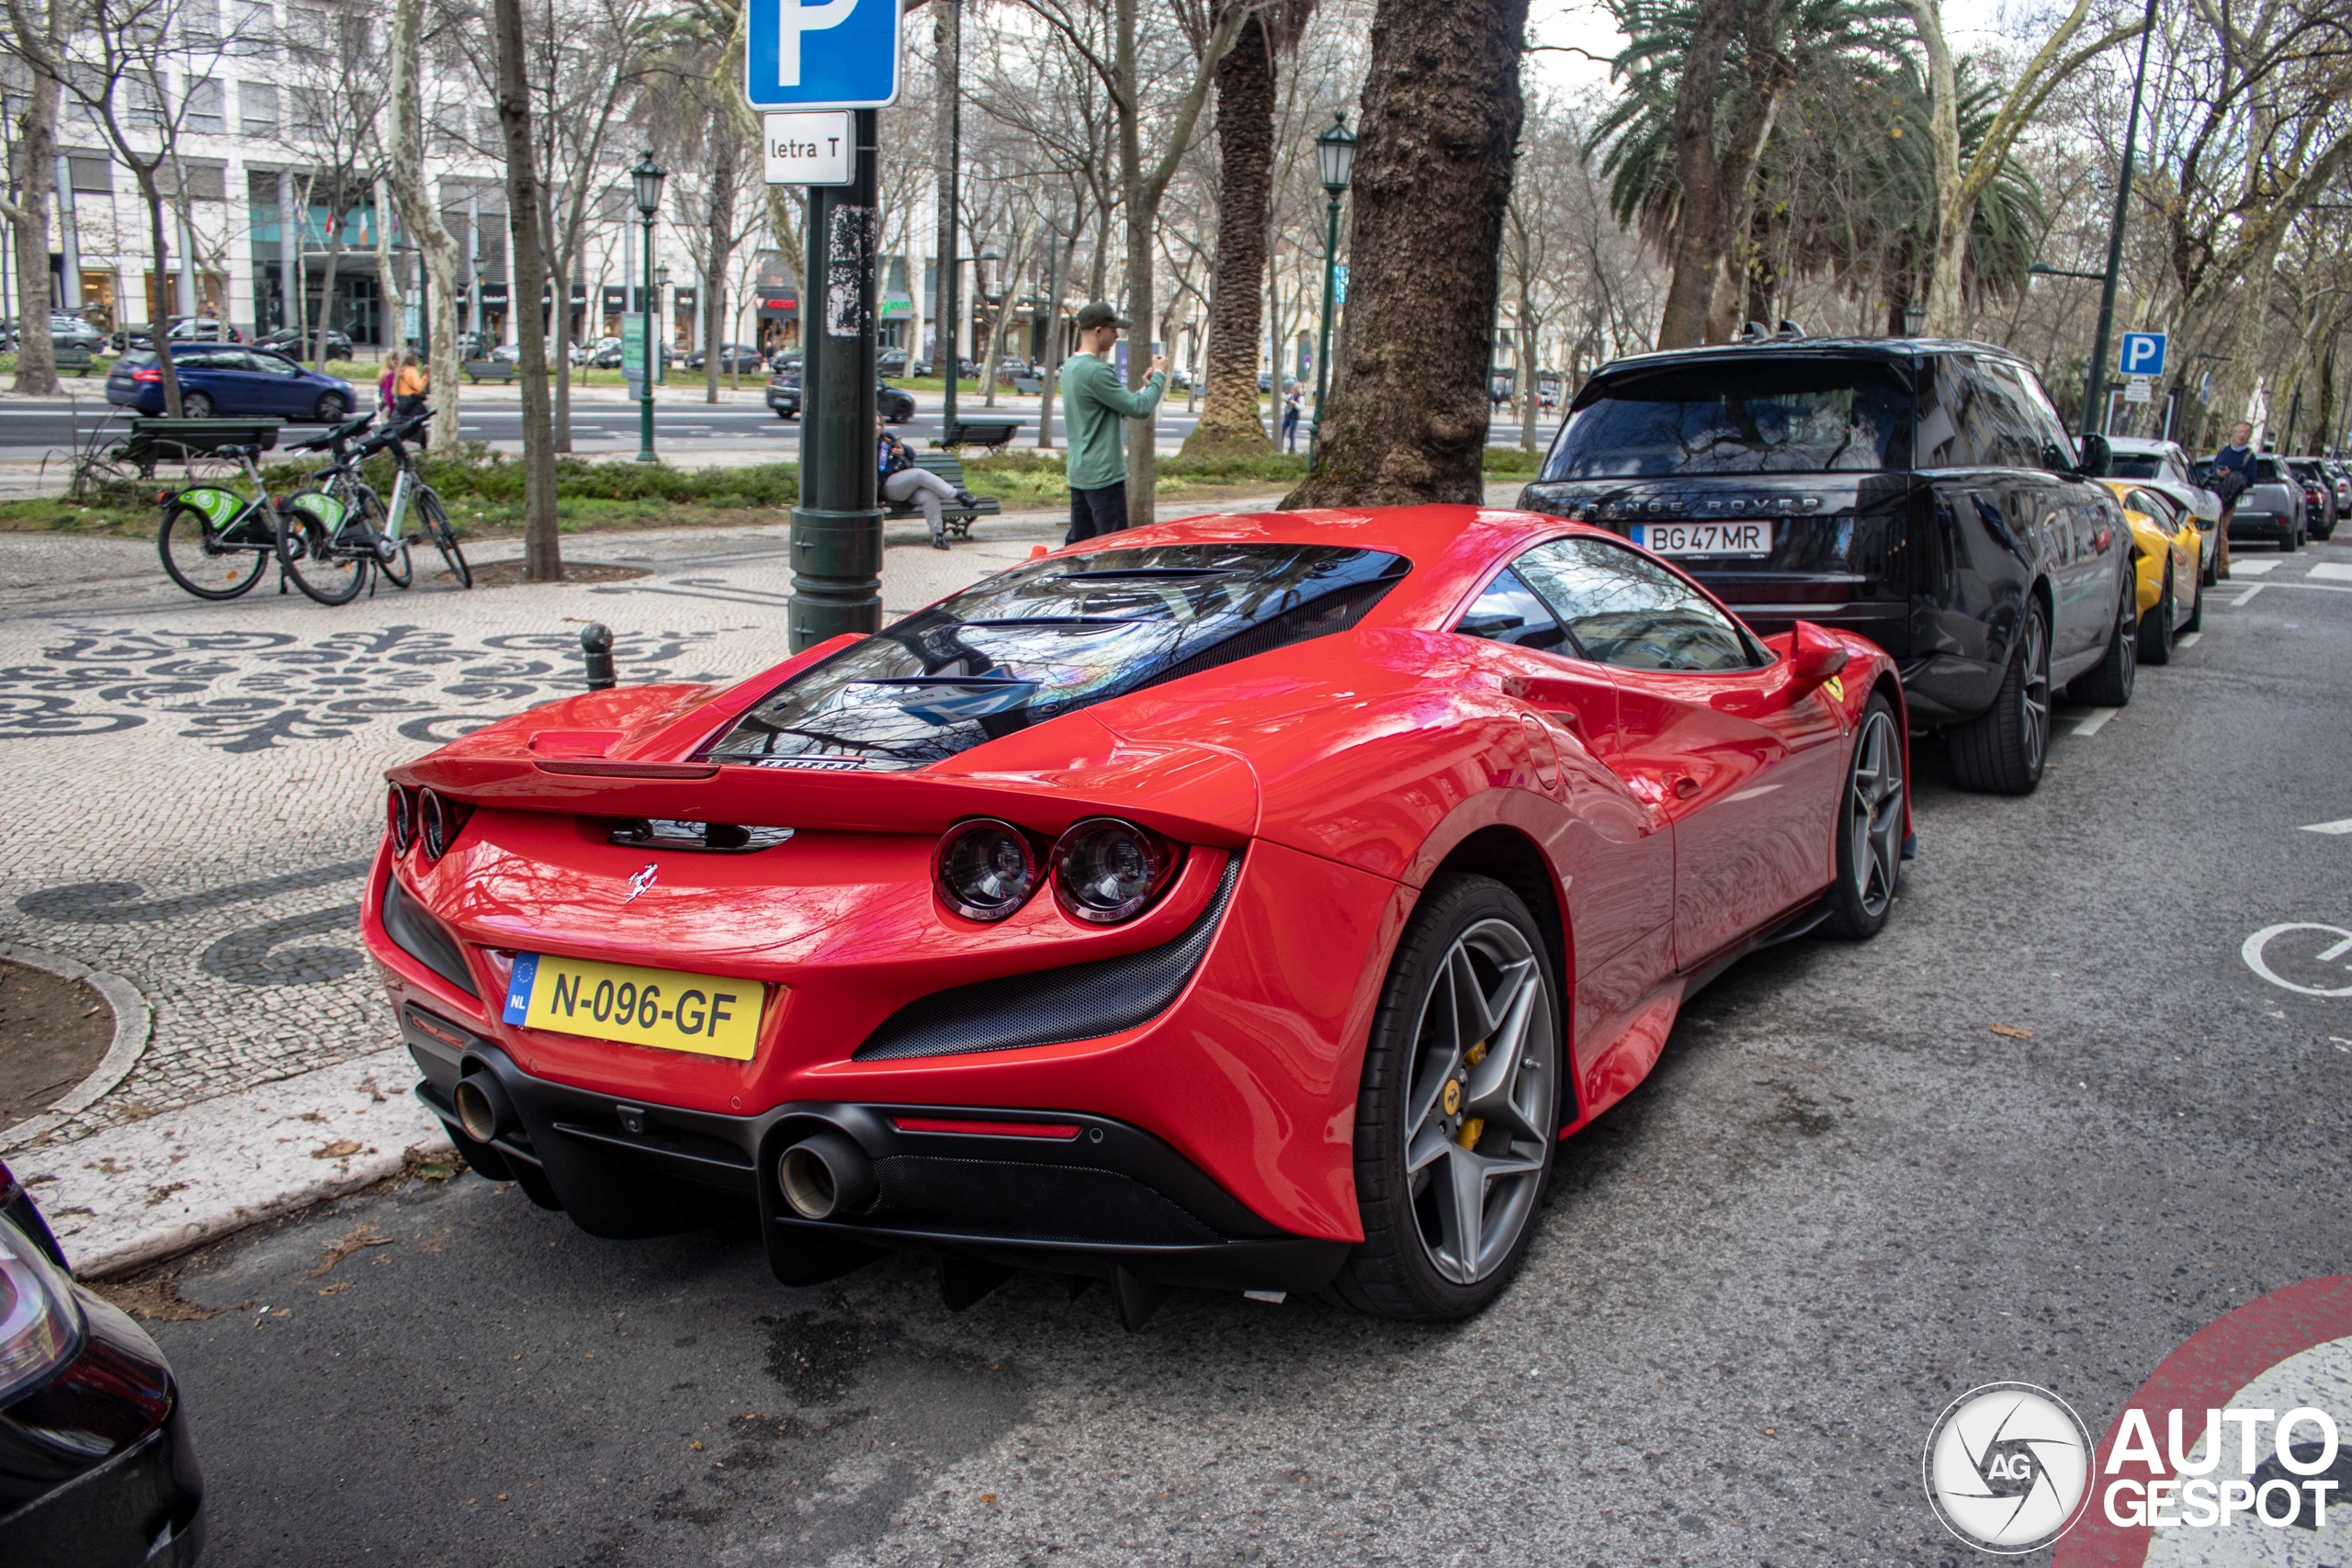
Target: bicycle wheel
(195, 560)
(323, 562)
(391, 554)
(428, 506)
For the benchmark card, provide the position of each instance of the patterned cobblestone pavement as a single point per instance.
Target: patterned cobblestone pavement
(195, 789)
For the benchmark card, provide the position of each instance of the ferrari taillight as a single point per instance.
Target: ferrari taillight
(399, 818)
(984, 870)
(438, 822)
(1107, 871)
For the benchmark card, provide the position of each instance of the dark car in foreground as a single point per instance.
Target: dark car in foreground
(95, 1464)
(229, 379)
(896, 404)
(1922, 493)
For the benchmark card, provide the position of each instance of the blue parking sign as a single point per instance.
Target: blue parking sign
(825, 54)
(2144, 353)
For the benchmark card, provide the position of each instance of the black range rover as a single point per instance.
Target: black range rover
(1923, 494)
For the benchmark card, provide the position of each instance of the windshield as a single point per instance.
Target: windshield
(1762, 415)
(1049, 639)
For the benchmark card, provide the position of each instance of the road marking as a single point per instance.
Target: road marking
(2246, 598)
(2342, 827)
(2251, 568)
(2334, 572)
(2187, 639)
(2095, 721)
(2251, 952)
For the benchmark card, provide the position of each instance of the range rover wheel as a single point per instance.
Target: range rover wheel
(1459, 1111)
(1870, 827)
(2156, 629)
(2107, 684)
(2000, 751)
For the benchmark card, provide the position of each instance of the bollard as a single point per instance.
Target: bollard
(597, 649)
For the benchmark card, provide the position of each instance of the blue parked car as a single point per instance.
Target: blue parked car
(230, 379)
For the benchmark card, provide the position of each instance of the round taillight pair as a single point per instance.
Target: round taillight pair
(436, 823)
(1104, 870)
(399, 818)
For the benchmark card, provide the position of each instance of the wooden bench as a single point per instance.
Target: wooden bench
(480, 371)
(178, 440)
(68, 358)
(956, 518)
(990, 431)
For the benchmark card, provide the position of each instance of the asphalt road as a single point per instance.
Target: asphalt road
(1841, 1198)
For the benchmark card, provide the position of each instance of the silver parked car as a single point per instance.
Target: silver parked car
(2162, 467)
(2272, 508)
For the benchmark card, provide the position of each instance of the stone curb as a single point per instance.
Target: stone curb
(134, 1022)
(136, 1193)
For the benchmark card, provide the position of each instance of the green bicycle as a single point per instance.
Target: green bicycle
(332, 538)
(216, 543)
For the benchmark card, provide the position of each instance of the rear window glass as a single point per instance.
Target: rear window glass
(134, 360)
(2266, 472)
(1049, 639)
(1743, 416)
(2134, 465)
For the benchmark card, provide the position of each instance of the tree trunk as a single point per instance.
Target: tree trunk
(1530, 395)
(1442, 110)
(2245, 369)
(1729, 224)
(947, 47)
(1697, 253)
(718, 247)
(37, 145)
(542, 549)
(1021, 240)
(337, 215)
(1955, 209)
(159, 322)
(1229, 422)
(423, 218)
(395, 297)
(561, 269)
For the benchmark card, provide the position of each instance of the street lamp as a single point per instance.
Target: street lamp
(1335, 160)
(646, 177)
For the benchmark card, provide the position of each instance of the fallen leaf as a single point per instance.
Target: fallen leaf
(501, 1496)
(2010, 1031)
(157, 1195)
(354, 1239)
(336, 1289)
(696, 1445)
(340, 1149)
(988, 1496)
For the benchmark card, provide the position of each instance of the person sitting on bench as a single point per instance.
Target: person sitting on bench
(903, 481)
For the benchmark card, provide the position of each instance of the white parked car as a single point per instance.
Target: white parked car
(2163, 466)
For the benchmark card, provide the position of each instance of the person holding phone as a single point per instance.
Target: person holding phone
(1094, 410)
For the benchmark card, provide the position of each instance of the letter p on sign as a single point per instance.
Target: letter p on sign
(2144, 353)
(820, 54)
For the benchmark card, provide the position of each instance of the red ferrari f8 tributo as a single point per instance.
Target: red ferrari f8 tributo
(1251, 902)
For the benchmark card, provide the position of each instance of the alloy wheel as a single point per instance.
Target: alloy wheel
(1875, 820)
(1477, 1109)
(2034, 710)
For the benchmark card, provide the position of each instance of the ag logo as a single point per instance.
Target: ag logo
(2008, 1467)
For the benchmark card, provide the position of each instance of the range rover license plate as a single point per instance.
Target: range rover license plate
(1705, 539)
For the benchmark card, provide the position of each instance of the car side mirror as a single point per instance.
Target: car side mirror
(1814, 655)
(2097, 456)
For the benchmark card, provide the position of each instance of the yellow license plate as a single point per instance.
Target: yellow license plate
(702, 1013)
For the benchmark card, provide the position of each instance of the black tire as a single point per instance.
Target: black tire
(2155, 628)
(323, 565)
(436, 526)
(397, 567)
(2287, 542)
(195, 405)
(333, 407)
(2195, 621)
(1466, 955)
(2107, 684)
(2001, 751)
(2208, 574)
(202, 566)
(1870, 828)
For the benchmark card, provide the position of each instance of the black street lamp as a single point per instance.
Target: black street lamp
(2095, 394)
(648, 177)
(1335, 162)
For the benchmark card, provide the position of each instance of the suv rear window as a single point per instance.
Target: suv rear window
(2135, 466)
(1049, 639)
(1738, 415)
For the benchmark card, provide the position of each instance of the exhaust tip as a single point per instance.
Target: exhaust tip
(483, 1110)
(826, 1175)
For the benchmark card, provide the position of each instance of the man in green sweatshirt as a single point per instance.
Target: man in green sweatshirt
(1094, 405)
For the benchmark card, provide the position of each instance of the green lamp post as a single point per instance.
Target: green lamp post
(1335, 162)
(648, 177)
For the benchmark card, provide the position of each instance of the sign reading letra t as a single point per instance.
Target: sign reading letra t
(828, 54)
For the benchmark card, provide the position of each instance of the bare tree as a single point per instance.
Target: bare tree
(419, 215)
(40, 38)
(526, 218)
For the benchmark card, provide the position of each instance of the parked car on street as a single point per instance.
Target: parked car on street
(2319, 495)
(67, 330)
(2272, 509)
(1266, 382)
(229, 379)
(1096, 872)
(732, 356)
(1921, 492)
(98, 1468)
(896, 404)
(2165, 550)
(2161, 466)
(202, 329)
(593, 353)
(890, 362)
(298, 345)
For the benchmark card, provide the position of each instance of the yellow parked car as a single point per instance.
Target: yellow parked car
(2165, 545)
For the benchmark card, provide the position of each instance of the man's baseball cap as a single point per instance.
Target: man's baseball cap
(1099, 314)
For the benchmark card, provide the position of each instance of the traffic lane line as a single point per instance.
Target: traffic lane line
(2342, 827)
(2093, 721)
